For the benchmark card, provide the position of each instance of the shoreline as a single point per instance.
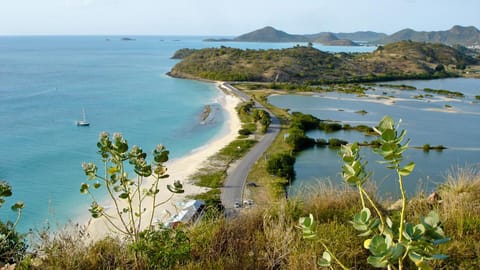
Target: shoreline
(182, 168)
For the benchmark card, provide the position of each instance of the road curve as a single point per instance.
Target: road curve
(233, 185)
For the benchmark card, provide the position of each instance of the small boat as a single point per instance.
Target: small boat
(83, 123)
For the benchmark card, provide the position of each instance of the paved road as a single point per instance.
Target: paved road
(232, 190)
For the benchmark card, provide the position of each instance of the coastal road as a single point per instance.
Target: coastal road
(234, 184)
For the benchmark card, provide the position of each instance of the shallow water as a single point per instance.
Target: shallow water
(452, 122)
(45, 82)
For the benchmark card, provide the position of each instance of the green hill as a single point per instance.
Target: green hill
(306, 64)
(270, 34)
(466, 36)
(364, 36)
(331, 40)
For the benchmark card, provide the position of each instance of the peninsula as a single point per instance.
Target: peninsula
(306, 64)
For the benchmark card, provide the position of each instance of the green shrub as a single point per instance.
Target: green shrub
(330, 126)
(304, 121)
(282, 165)
(13, 246)
(321, 142)
(426, 147)
(298, 140)
(334, 142)
(244, 132)
(163, 248)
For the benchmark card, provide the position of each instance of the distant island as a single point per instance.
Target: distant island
(306, 64)
(457, 35)
(270, 34)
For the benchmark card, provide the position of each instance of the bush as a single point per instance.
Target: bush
(13, 246)
(163, 248)
(282, 165)
(330, 126)
(426, 147)
(321, 142)
(244, 132)
(304, 121)
(334, 142)
(298, 140)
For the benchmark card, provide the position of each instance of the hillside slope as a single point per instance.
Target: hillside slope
(466, 36)
(306, 64)
(270, 34)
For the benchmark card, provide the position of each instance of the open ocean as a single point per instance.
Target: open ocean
(45, 82)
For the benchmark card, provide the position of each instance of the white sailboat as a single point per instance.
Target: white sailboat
(83, 123)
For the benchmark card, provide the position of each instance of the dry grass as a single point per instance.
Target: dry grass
(269, 238)
(70, 248)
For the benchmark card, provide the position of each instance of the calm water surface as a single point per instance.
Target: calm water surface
(46, 81)
(437, 120)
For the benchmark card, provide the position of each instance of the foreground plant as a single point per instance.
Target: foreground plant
(12, 243)
(129, 194)
(390, 240)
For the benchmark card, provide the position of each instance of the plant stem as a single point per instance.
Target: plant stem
(117, 208)
(402, 215)
(374, 207)
(139, 183)
(109, 220)
(154, 199)
(333, 256)
(361, 195)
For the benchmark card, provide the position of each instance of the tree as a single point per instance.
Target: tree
(263, 117)
(129, 195)
(282, 165)
(298, 140)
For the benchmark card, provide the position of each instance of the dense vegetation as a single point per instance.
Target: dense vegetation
(182, 53)
(401, 60)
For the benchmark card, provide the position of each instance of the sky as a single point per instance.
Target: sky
(230, 18)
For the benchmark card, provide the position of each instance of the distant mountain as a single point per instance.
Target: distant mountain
(361, 36)
(466, 36)
(331, 39)
(270, 34)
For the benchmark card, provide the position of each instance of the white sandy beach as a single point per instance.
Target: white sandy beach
(181, 169)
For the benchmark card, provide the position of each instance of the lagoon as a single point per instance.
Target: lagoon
(436, 120)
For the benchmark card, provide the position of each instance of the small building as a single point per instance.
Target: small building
(190, 212)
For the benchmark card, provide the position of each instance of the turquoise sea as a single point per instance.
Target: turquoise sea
(435, 120)
(45, 82)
